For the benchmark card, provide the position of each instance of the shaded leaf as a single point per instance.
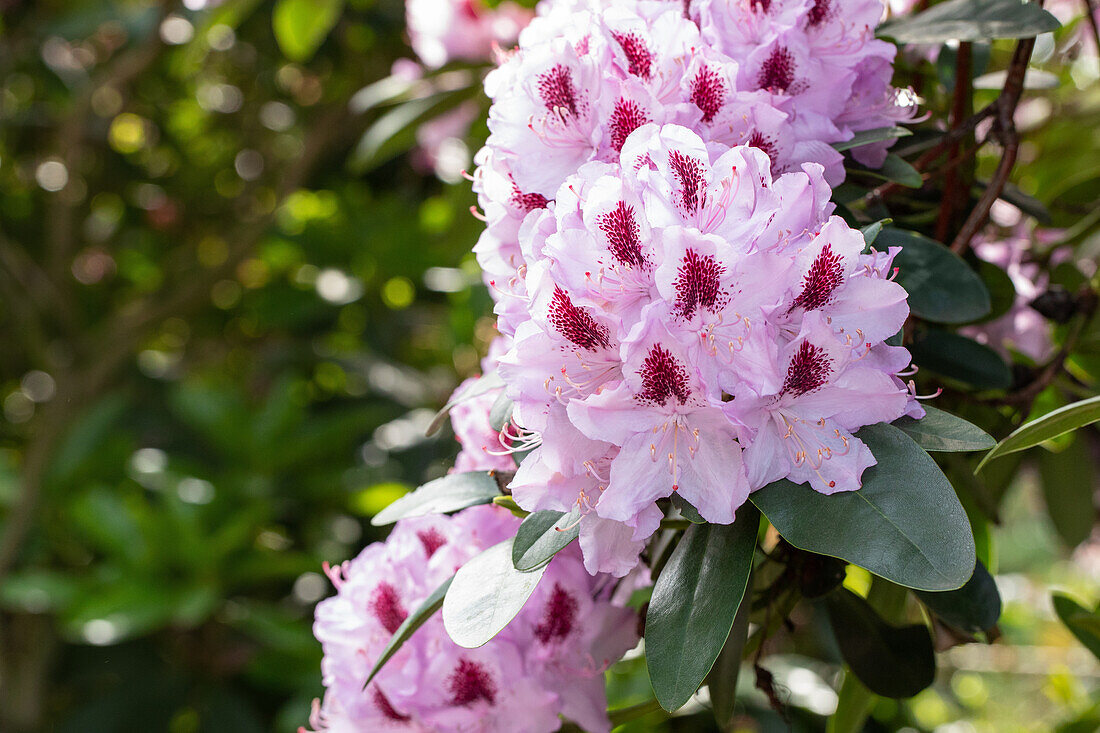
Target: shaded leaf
(501, 412)
(1051, 425)
(485, 595)
(942, 431)
(941, 286)
(687, 511)
(486, 383)
(412, 622)
(892, 661)
(301, 25)
(1068, 481)
(961, 358)
(1082, 623)
(695, 600)
(722, 678)
(542, 535)
(971, 20)
(906, 524)
(871, 231)
(974, 607)
(450, 493)
(866, 137)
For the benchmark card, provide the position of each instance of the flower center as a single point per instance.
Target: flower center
(471, 682)
(698, 284)
(626, 117)
(825, 275)
(431, 539)
(777, 73)
(638, 55)
(663, 377)
(808, 370)
(622, 232)
(576, 324)
(561, 612)
(708, 92)
(386, 607)
(557, 90)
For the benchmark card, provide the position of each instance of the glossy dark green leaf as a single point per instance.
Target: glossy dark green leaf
(899, 170)
(695, 600)
(722, 678)
(301, 25)
(971, 20)
(871, 231)
(974, 607)
(542, 535)
(449, 493)
(891, 661)
(1082, 623)
(485, 595)
(961, 358)
(412, 622)
(1069, 481)
(941, 286)
(501, 412)
(905, 524)
(1002, 292)
(686, 509)
(866, 137)
(486, 383)
(941, 431)
(1051, 425)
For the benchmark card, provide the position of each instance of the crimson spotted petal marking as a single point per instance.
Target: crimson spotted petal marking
(576, 324)
(626, 117)
(431, 539)
(557, 91)
(689, 172)
(825, 275)
(623, 235)
(561, 613)
(638, 56)
(767, 144)
(777, 72)
(663, 378)
(469, 683)
(708, 92)
(527, 202)
(386, 606)
(809, 369)
(698, 285)
(819, 13)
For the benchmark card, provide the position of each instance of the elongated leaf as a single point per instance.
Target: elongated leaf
(974, 607)
(1069, 481)
(542, 535)
(695, 600)
(486, 383)
(892, 661)
(971, 20)
(906, 524)
(1083, 623)
(1002, 291)
(412, 622)
(501, 412)
(688, 511)
(961, 358)
(941, 286)
(899, 170)
(301, 25)
(485, 595)
(871, 231)
(941, 431)
(1051, 425)
(450, 493)
(866, 137)
(722, 678)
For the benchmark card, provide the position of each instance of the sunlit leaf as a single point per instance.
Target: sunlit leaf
(450, 493)
(301, 25)
(1051, 425)
(1082, 623)
(542, 535)
(408, 627)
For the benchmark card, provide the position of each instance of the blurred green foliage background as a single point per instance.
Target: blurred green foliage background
(229, 305)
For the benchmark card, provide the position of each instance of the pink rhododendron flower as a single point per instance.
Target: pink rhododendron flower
(467, 30)
(548, 661)
(686, 322)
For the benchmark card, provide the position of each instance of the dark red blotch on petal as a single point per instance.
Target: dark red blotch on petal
(431, 539)
(825, 275)
(386, 606)
(698, 284)
(386, 707)
(559, 617)
(557, 91)
(471, 682)
(777, 72)
(623, 235)
(576, 324)
(808, 370)
(708, 92)
(663, 378)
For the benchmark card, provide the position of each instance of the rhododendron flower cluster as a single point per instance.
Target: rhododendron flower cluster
(465, 30)
(687, 323)
(548, 661)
